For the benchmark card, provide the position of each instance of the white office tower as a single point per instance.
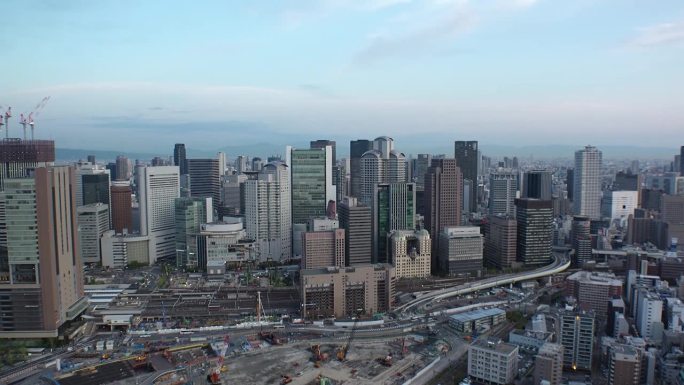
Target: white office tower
(158, 187)
(587, 183)
(382, 164)
(268, 212)
(649, 316)
(619, 205)
(503, 185)
(93, 221)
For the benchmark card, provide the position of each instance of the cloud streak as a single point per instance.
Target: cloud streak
(659, 35)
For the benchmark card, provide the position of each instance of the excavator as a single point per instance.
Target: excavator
(342, 352)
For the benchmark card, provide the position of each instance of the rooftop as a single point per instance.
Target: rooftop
(494, 344)
(476, 314)
(607, 279)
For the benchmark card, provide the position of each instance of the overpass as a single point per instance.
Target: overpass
(559, 264)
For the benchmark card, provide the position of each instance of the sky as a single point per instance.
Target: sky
(142, 75)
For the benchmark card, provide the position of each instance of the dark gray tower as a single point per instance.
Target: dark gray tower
(537, 184)
(466, 154)
(356, 149)
(179, 158)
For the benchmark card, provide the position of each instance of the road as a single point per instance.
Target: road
(559, 264)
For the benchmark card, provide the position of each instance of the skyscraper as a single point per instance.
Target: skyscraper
(158, 187)
(537, 184)
(587, 183)
(356, 151)
(581, 240)
(466, 154)
(123, 168)
(121, 213)
(460, 251)
(190, 214)
(382, 164)
(336, 174)
(443, 200)
(44, 288)
(394, 208)
(179, 158)
(535, 230)
(268, 217)
(310, 182)
(500, 241)
(205, 179)
(570, 183)
(355, 219)
(681, 160)
(92, 184)
(503, 185)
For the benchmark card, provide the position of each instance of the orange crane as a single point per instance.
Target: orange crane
(342, 353)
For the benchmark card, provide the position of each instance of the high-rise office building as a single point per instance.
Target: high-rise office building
(205, 179)
(466, 154)
(581, 240)
(535, 231)
(179, 158)
(460, 251)
(268, 217)
(593, 291)
(382, 164)
(500, 241)
(232, 196)
(587, 183)
(190, 214)
(123, 168)
(394, 208)
(410, 253)
(570, 183)
(626, 181)
(93, 221)
(336, 171)
(323, 249)
(649, 314)
(356, 151)
(548, 364)
(419, 168)
(121, 212)
(537, 184)
(681, 160)
(44, 286)
(619, 205)
(443, 200)
(503, 186)
(577, 338)
(92, 184)
(158, 187)
(356, 220)
(311, 185)
(257, 164)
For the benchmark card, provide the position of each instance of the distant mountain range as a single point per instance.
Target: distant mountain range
(263, 150)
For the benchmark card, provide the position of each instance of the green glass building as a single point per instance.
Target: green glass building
(190, 214)
(394, 208)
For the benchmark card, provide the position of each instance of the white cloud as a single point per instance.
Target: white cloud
(660, 34)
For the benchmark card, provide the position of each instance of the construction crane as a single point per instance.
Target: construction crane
(36, 112)
(23, 122)
(342, 353)
(8, 114)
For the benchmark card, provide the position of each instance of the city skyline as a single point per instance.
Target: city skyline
(126, 76)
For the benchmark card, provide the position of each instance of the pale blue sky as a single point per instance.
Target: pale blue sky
(142, 75)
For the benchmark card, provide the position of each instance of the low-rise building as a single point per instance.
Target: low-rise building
(548, 364)
(475, 320)
(492, 361)
(529, 339)
(119, 250)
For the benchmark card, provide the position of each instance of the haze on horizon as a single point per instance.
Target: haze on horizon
(140, 76)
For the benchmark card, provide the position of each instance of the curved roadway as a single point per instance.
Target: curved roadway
(560, 263)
